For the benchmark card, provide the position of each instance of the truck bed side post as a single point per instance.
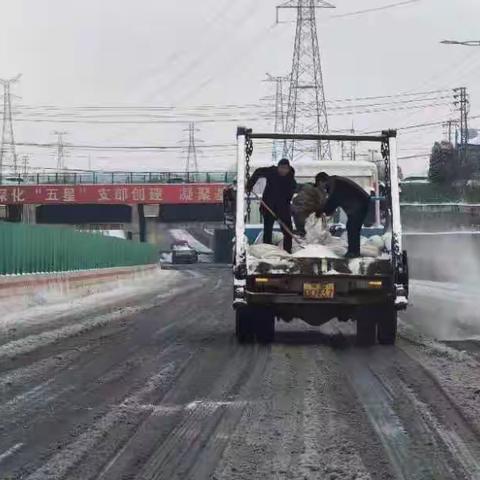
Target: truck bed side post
(240, 247)
(395, 192)
(401, 289)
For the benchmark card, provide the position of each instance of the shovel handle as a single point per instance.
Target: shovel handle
(275, 216)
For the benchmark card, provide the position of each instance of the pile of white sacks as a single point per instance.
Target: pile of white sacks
(319, 243)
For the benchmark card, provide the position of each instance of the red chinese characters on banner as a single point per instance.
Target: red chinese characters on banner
(206, 193)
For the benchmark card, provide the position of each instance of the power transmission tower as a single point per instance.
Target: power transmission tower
(60, 151)
(307, 110)
(353, 146)
(279, 127)
(8, 138)
(25, 162)
(191, 164)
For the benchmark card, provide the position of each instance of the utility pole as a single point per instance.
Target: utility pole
(8, 138)
(462, 104)
(307, 110)
(60, 151)
(449, 129)
(279, 114)
(191, 164)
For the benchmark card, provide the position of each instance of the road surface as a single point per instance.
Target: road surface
(166, 393)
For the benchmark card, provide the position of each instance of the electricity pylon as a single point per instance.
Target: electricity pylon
(8, 138)
(191, 164)
(307, 110)
(279, 127)
(60, 151)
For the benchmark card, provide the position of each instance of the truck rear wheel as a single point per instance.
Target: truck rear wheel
(387, 326)
(265, 325)
(244, 325)
(366, 331)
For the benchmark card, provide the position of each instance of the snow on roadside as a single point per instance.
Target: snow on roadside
(456, 372)
(161, 286)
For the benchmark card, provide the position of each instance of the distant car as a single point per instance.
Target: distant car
(182, 252)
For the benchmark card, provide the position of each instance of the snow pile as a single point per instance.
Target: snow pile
(369, 250)
(319, 234)
(277, 238)
(268, 252)
(316, 231)
(319, 243)
(315, 251)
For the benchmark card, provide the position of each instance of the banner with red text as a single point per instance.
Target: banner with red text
(199, 193)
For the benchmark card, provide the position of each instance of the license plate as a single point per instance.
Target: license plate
(319, 291)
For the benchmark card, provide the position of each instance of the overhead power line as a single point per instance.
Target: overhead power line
(120, 147)
(223, 118)
(376, 9)
(418, 125)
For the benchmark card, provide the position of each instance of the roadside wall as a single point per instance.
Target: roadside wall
(434, 217)
(21, 291)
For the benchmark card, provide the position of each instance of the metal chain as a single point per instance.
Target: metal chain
(388, 187)
(248, 154)
(385, 149)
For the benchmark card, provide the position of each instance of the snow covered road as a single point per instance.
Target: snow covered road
(162, 391)
(445, 311)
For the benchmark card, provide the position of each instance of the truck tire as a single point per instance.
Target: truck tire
(366, 331)
(244, 325)
(387, 326)
(265, 325)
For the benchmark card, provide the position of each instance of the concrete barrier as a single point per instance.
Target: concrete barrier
(20, 291)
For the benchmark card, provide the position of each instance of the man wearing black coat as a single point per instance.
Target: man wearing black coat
(352, 199)
(278, 193)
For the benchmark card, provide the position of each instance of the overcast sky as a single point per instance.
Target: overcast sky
(75, 54)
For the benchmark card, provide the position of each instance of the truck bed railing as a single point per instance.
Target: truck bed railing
(324, 137)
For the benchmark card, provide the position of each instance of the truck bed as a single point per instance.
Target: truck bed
(363, 266)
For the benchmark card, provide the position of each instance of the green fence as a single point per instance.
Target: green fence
(80, 178)
(36, 249)
(432, 193)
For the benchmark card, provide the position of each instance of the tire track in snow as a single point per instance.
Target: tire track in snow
(414, 441)
(181, 318)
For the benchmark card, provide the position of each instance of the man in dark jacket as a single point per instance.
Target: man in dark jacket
(277, 196)
(352, 199)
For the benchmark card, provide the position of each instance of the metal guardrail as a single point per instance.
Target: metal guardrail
(45, 249)
(78, 178)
